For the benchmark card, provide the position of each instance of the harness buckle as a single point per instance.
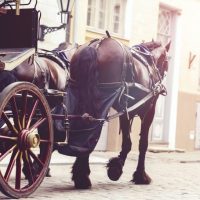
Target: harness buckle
(160, 89)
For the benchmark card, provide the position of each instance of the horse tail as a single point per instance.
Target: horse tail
(86, 79)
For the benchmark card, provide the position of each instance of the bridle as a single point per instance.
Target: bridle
(163, 63)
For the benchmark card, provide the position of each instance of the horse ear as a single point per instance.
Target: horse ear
(168, 46)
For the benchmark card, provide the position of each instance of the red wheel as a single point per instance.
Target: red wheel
(26, 139)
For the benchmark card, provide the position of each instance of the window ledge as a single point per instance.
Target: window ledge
(102, 32)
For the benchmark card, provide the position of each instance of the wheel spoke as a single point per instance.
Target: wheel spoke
(24, 107)
(11, 164)
(27, 166)
(18, 171)
(15, 113)
(8, 138)
(32, 113)
(36, 158)
(7, 152)
(44, 141)
(37, 124)
(8, 123)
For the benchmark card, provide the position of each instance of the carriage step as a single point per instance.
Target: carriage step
(61, 143)
(52, 92)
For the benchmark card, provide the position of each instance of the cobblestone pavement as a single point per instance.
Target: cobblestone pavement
(176, 176)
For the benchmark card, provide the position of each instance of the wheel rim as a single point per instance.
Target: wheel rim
(25, 149)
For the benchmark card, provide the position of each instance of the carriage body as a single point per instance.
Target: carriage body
(27, 112)
(26, 127)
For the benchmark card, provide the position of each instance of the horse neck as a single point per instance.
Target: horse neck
(58, 76)
(161, 62)
(141, 73)
(145, 70)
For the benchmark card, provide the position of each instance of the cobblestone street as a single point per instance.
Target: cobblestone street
(175, 176)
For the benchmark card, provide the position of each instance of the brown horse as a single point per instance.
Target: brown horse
(47, 69)
(107, 63)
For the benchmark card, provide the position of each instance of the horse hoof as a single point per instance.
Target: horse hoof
(83, 183)
(114, 170)
(141, 178)
(48, 174)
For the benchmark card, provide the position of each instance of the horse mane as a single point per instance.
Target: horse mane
(151, 45)
(62, 62)
(84, 66)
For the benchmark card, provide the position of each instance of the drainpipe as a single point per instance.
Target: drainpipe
(173, 86)
(75, 24)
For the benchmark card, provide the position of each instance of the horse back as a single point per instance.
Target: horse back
(110, 61)
(58, 75)
(107, 57)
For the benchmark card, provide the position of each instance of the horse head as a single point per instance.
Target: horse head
(160, 56)
(66, 50)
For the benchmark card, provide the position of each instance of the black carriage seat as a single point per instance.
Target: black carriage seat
(19, 31)
(18, 36)
(58, 57)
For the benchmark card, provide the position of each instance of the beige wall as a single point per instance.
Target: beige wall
(188, 80)
(186, 120)
(91, 35)
(79, 19)
(145, 18)
(191, 40)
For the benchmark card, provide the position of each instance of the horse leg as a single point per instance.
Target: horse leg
(140, 176)
(115, 165)
(81, 172)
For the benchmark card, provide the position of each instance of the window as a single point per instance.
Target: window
(106, 15)
(164, 25)
(101, 14)
(116, 18)
(91, 12)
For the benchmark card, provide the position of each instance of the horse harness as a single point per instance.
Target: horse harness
(144, 55)
(139, 52)
(45, 73)
(56, 56)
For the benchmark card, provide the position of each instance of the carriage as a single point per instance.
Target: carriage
(29, 115)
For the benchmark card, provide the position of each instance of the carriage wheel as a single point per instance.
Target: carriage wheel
(26, 139)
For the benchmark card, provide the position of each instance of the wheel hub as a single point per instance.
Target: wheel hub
(28, 139)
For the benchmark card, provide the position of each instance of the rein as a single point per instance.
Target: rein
(158, 89)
